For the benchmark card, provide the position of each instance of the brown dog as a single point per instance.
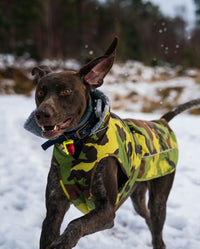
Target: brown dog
(63, 100)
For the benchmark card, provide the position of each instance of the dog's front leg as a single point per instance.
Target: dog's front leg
(57, 205)
(104, 193)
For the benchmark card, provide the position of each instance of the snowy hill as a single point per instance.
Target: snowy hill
(132, 86)
(24, 167)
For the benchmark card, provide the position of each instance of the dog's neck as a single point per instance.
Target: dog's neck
(86, 115)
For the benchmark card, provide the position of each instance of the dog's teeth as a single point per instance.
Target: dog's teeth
(43, 128)
(54, 128)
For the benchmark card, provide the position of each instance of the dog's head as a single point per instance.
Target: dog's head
(62, 98)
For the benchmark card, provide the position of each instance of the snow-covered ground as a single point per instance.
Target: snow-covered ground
(23, 171)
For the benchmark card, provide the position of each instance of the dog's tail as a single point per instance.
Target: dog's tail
(180, 108)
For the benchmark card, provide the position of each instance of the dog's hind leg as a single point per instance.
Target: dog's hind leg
(159, 190)
(138, 198)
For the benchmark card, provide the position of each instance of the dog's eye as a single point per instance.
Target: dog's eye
(66, 92)
(40, 93)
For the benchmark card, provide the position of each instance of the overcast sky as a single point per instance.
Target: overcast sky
(170, 7)
(173, 7)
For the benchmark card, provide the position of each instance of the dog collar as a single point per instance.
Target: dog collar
(79, 133)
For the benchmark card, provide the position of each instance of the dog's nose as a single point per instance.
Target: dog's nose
(44, 115)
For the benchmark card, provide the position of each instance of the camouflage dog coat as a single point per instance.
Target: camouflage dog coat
(144, 150)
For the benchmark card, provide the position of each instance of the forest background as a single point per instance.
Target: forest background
(157, 68)
(75, 28)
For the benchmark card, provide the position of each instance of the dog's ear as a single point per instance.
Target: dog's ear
(94, 72)
(39, 72)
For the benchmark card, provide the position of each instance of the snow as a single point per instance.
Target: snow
(132, 86)
(9, 60)
(24, 168)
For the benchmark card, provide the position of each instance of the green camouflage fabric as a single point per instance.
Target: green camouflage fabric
(144, 150)
(159, 149)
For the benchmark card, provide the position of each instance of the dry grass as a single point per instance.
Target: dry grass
(14, 80)
(195, 111)
(166, 92)
(150, 105)
(197, 79)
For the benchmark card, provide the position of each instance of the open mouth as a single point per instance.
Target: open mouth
(54, 131)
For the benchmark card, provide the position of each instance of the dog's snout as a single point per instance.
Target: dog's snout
(44, 114)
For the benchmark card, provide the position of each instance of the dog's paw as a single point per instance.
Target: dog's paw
(66, 241)
(59, 244)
